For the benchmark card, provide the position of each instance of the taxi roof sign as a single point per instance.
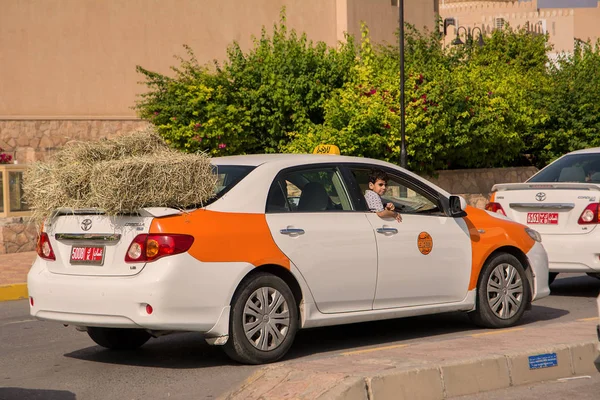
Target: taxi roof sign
(326, 149)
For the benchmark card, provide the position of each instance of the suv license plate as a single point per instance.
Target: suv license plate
(542, 218)
(87, 255)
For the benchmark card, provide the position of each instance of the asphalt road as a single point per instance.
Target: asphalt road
(44, 360)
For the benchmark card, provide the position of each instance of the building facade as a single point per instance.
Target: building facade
(565, 21)
(67, 67)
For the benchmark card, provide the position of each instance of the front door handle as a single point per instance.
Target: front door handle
(292, 231)
(387, 230)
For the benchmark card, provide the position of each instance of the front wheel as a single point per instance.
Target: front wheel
(263, 320)
(118, 338)
(502, 292)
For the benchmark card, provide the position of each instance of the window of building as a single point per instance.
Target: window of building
(499, 23)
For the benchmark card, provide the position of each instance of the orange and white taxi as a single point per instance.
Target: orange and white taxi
(287, 242)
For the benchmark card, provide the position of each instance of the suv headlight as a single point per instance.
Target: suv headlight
(535, 235)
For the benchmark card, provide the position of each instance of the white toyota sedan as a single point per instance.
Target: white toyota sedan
(562, 203)
(287, 242)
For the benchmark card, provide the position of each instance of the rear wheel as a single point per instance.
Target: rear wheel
(551, 277)
(263, 320)
(502, 292)
(118, 338)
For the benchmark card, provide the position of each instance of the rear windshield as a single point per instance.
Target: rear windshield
(227, 177)
(579, 168)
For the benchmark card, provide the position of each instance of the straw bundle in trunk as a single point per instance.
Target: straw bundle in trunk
(76, 161)
(118, 176)
(169, 179)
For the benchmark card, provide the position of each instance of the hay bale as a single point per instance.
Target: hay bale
(76, 161)
(118, 175)
(168, 179)
(43, 192)
(137, 143)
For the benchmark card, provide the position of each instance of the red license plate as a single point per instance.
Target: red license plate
(87, 255)
(542, 218)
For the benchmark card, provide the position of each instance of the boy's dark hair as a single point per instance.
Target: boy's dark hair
(378, 174)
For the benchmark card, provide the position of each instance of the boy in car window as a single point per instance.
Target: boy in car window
(377, 187)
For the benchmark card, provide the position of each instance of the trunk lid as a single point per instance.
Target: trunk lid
(549, 208)
(86, 242)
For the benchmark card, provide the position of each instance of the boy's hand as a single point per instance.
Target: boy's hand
(390, 206)
(398, 217)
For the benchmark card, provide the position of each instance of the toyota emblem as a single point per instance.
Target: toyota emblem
(541, 196)
(86, 224)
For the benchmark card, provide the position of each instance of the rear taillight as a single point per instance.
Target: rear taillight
(495, 207)
(589, 215)
(146, 247)
(44, 249)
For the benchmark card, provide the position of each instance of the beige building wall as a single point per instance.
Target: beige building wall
(77, 58)
(381, 16)
(587, 24)
(562, 25)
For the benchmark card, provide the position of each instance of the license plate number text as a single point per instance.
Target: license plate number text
(542, 218)
(87, 255)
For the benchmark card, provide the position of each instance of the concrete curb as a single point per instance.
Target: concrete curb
(477, 375)
(431, 381)
(13, 292)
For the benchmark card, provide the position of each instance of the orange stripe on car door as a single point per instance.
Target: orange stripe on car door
(225, 237)
(496, 233)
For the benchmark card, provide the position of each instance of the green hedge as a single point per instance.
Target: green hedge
(466, 107)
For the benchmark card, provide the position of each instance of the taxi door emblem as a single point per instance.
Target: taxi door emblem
(425, 243)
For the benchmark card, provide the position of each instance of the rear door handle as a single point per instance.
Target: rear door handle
(292, 231)
(387, 229)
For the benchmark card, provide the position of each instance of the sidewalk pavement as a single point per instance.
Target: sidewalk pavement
(435, 369)
(13, 274)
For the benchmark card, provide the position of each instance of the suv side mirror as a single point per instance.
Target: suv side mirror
(457, 207)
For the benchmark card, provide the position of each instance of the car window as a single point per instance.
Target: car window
(571, 168)
(310, 190)
(406, 197)
(227, 177)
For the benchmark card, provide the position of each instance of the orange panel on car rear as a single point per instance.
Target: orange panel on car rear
(225, 237)
(498, 233)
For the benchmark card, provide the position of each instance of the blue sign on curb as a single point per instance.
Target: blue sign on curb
(543, 361)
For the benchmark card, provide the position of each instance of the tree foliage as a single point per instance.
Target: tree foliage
(571, 102)
(466, 106)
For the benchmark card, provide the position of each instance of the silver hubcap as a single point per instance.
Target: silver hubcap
(266, 318)
(505, 291)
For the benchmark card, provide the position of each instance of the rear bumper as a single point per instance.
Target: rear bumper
(538, 260)
(185, 294)
(573, 253)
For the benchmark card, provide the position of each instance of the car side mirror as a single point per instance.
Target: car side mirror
(457, 205)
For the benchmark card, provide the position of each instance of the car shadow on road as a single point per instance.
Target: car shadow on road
(541, 314)
(177, 351)
(575, 286)
(15, 393)
(400, 331)
(190, 351)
